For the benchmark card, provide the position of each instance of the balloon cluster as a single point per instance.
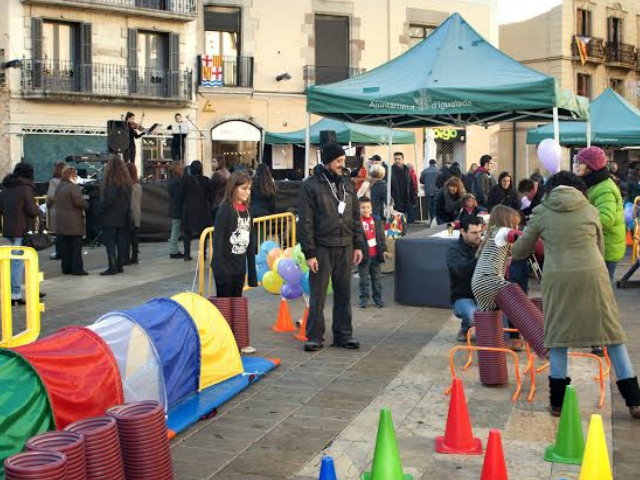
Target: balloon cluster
(282, 272)
(628, 215)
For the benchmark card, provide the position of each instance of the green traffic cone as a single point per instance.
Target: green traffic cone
(386, 458)
(569, 446)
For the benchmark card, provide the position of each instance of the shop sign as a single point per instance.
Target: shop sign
(444, 134)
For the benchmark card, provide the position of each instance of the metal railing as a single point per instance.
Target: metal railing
(621, 55)
(62, 76)
(32, 280)
(185, 7)
(222, 71)
(595, 49)
(321, 75)
(280, 228)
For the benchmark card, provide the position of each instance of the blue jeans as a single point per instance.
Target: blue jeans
(431, 206)
(519, 273)
(464, 308)
(611, 268)
(176, 227)
(17, 270)
(617, 353)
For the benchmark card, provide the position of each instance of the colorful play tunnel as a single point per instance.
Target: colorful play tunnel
(179, 352)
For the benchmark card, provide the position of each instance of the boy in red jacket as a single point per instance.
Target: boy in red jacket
(374, 253)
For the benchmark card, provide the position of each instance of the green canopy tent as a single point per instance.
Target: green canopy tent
(453, 77)
(346, 133)
(615, 123)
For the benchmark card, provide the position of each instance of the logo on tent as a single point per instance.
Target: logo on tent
(423, 99)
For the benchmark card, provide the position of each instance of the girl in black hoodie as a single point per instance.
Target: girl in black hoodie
(234, 249)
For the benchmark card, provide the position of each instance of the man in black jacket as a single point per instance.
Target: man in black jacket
(461, 261)
(331, 239)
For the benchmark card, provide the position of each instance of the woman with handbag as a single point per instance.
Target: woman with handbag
(196, 206)
(115, 213)
(70, 226)
(19, 206)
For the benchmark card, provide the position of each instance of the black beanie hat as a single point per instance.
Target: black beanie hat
(330, 152)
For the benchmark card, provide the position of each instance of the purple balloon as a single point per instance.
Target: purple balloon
(550, 155)
(291, 292)
(290, 271)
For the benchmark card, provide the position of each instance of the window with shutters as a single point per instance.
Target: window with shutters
(583, 85)
(583, 22)
(614, 30)
(153, 63)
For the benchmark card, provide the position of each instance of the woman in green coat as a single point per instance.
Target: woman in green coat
(591, 166)
(579, 306)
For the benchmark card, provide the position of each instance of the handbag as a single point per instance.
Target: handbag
(37, 238)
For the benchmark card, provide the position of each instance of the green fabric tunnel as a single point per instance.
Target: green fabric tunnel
(25, 409)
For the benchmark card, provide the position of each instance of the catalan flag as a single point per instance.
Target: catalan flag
(581, 44)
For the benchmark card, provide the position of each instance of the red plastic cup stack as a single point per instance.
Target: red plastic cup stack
(490, 333)
(36, 466)
(223, 304)
(240, 326)
(144, 441)
(69, 443)
(101, 447)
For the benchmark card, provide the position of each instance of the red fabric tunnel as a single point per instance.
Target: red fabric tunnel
(79, 372)
(489, 333)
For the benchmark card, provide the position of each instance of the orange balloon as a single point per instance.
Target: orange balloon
(272, 255)
(288, 252)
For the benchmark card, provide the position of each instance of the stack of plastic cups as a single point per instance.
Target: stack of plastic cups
(490, 333)
(70, 444)
(240, 325)
(223, 304)
(36, 466)
(101, 447)
(143, 439)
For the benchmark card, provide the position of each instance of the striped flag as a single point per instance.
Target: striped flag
(581, 44)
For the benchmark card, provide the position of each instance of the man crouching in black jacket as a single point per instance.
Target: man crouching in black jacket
(461, 261)
(331, 239)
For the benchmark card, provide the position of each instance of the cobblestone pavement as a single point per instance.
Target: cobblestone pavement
(328, 401)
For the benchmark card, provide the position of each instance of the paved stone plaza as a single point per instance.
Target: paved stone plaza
(329, 401)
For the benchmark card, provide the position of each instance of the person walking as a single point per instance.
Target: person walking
(18, 208)
(176, 172)
(132, 249)
(196, 206)
(50, 202)
(115, 213)
(579, 305)
(503, 193)
(402, 190)
(70, 222)
(483, 181)
(591, 165)
(263, 192)
(449, 201)
(331, 239)
(428, 178)
(373, 255)
(218, 184)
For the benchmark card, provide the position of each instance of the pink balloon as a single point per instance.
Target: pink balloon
(550, 155)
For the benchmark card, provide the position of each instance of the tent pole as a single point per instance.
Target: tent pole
(589, 133)
(389, 168)
(526, 160)
(556, 125)
(307, 146)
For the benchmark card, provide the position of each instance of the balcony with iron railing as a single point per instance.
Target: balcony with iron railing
(595, 50)
(322, 75)
(621, 55)
(92, 82)
(217, 71)
(184, 10)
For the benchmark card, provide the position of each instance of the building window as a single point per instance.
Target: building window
(583, 82)
(59, 41)
(614, 30)
(583, 23)
(417, 33)
(222, 31)
(617, 85)
(153, 50)
(332, 40)
(3, 78)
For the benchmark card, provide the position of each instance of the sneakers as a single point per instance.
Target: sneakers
(176, 255)
(379, 304)
(349, 344)
(363, 304)
(461, 336)
(312, 346)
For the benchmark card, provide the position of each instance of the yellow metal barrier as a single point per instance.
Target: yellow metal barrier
(32, 279)
(280, 228)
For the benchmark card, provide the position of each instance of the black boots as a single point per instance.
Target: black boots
(631, 394)
(557, 388)
(112, 267)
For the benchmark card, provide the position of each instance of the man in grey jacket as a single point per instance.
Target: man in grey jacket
(428, 179)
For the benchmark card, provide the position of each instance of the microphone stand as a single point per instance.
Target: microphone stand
(202, 138)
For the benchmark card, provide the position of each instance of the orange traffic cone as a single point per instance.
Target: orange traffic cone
(284, 323)
(494, 467)
(458, 437)
(302, 334)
